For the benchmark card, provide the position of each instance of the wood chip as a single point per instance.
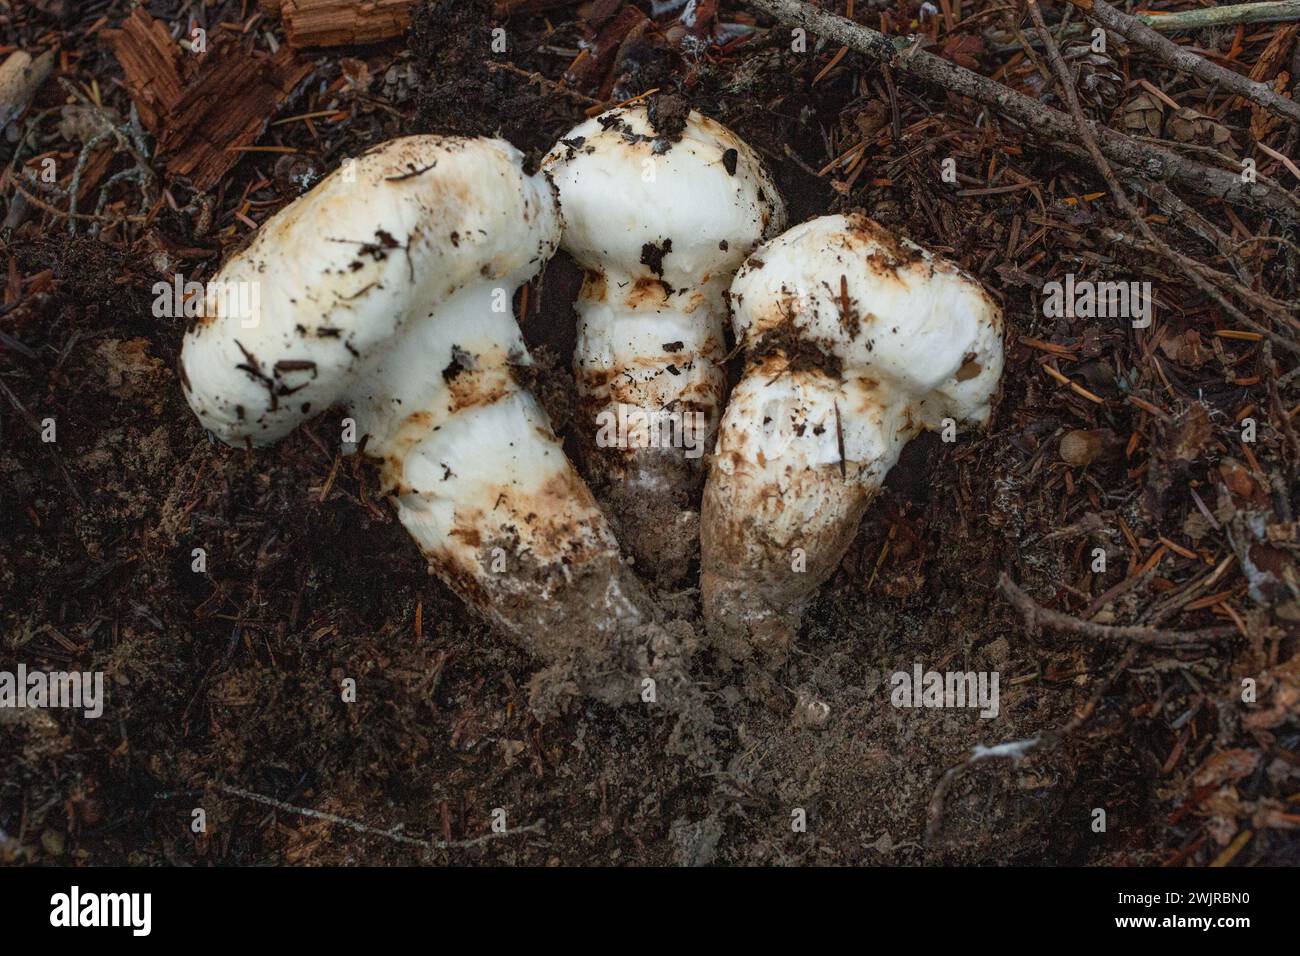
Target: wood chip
(314, 23)
(504, 8)
(150, 58)
(225, 109)
(588, 72)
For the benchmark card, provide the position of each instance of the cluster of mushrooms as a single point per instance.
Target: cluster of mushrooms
(389, 287)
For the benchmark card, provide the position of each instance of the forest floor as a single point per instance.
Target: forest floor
(223, 686)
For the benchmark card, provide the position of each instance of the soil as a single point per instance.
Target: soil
(232, 680)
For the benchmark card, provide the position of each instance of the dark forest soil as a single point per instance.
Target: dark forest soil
(227, 683)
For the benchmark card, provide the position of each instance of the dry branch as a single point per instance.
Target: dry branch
(1230, 14)
(1281, 11)
(395, 833)
(1180, 58)
(1017, 750)
(1037, 617)
(1040, 121)
(1191, 269)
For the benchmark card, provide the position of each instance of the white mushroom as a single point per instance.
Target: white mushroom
(659, 214)
(856, 342)
(388, 288)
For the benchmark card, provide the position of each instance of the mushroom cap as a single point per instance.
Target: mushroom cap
(883, 309)
(683, 209)
(340, 276)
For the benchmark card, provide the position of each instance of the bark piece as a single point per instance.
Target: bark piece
(1265, 70)
(309, 23)
(150, 58)
(226, 106)
(590, 70)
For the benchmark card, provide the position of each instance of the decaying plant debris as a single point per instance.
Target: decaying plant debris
(1121, 689)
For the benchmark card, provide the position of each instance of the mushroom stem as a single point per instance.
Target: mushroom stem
(483, 485)
(661, 206)
(388, 289)
(773, 533)
(650, 391)
(856, 342)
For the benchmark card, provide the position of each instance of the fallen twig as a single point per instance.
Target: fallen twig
(1281, 11)
(1137, 32)
(56, 211)
(1191, 219)
(1190, 268)
(1266, 304)
(50, 447)
(358, 827)
(1037, 617)
(1013, 750)
(1042, 121)
(533, 76)
(1292, 460)
(1181, 21)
